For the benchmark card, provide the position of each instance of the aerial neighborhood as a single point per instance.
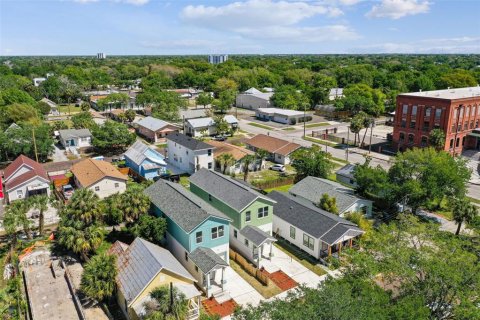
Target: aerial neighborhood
(151, 194)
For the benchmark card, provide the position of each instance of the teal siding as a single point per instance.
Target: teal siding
(181, 236)
(206, 229)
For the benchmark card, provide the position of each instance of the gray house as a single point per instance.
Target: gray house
(312, 189)
(316, 231)
(79, 138)
(345, 175)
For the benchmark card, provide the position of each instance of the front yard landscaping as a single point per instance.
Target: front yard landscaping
(258, 125)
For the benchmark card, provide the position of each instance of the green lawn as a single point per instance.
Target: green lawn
(68, 108)
(321, 142)
(304, 258)
(284, 188)
(319, 124)
(474, 200)
(289, 129)
(254, 124)
(185, 182)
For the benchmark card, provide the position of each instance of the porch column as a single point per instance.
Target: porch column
(339, 249)
(329, 250)
(351, 242)
(223, 278)
(271, 250)
(208, 285)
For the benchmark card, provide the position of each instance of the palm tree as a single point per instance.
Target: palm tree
(176, 308)
(247, 160)
(80, 239)
(261, 154)
(84, 206)
(15, 218)
(226, 160)
(463, 211)
(134, 205)
(40, 203)
(98, 277)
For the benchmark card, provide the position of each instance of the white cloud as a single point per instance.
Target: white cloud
(267, 19)
(134, 2)
(396, 9)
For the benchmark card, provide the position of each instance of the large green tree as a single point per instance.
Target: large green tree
(98, 277)
(312, 162)
(289, 97)
(165, 104)
(463, 211)
(112, 137)
(150, 228)
(361, 97)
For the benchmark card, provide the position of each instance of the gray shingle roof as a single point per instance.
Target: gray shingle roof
(256, 235)
(235, 194)
(188, 142)
(153, 124)
(186, 209)
(74, 133)
(346, 171)
(310, 219)
(312, 189)
(140, 263)
(206, 259)
(136, 152)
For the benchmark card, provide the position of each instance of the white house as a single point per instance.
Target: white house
(254, 99)
(197, 127)
(279, 150)
(312, 189)
(335, 93)
(188, 154)
(25, 177)
(79, 138)
(317, 232)
(38, 81)
(284, 116)
(99, 176)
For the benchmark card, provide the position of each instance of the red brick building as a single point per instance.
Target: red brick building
(455, 111)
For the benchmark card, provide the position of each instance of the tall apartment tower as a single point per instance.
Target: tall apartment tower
(101, 55)
(217, 58)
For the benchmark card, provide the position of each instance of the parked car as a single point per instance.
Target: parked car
(67, 191)
(220, 138)
(278, 167)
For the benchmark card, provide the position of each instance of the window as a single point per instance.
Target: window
(235, 233)
(187, 152)
(467, 112)
(308, 241)
(19, 193)
(465, 125)
(246, 242)
(292, 232)
(196, 269)
(414, 111)
(209, 152)
(97, 188)
(461, 112)
(209, 165)
(424, 141)
(405, 109)
(262, 212)
(199, 237)
(411, 137)
(248, 216)
(428, 112)
(451, 143)
(402, 137)
(438, 114)
(117, 185)
(186, 256)
(209, 197)
(217, 232)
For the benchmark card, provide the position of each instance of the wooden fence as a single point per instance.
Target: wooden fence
(124, 171)
(251, 269)
(58, 183)
(275, 184)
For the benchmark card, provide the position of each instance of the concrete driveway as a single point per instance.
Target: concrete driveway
(240, 290)
(59, 154)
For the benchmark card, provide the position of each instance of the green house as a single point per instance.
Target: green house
(250, 211)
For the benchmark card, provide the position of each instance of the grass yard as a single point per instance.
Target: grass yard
(266, 291)
(185, 182)
(304, 258)
(474, 200)
(319, 124)
(259, 125)
(321, 142)
(289, 129)
(284, 188)
(68, 108)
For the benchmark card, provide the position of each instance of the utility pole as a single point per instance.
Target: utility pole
(348, 141)
(304, 120)
(34, 144)
(326, 144)
(372, 122)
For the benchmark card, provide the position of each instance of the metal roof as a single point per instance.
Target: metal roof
(137, 151)
(256, 235)
(152, 123)
(305, 216)
(139, 265)
(188, 142)
(448, 94)
(236, 195)
(186, 209)
(201, 122)
(312, 189)
(206, 259)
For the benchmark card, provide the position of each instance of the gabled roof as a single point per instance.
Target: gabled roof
(184, 208)
(153, 124)
(346, 171)
(236, 195)
(230, 119)
(139, 265)
(252, 90)
(137, 153)
(208, 121)
(256, 235)
(90, 171)
(188, 142)
(312, 189)
(13, 126)
(273, 145)
(74, 133)
(36, 169)
(237, 152)
(206, 259)
(305, 216)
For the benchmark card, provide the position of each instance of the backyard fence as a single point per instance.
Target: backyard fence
(124, 171)
(249, 268)
(282, 181)
(60, 182)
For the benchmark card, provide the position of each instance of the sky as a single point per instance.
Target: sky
(166, 27)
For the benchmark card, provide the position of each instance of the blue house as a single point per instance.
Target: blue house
(145, 160)
(197, 233)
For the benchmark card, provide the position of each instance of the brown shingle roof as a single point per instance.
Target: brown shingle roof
(36, 170)
(90, 171)
(223, 147)
(273, 145)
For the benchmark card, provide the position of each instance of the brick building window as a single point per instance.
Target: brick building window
(428, 112)
(424, 141)
(465, 125)
(411, 138)
(402, 137)
(451, 143)
(467, 112)
(438, 115)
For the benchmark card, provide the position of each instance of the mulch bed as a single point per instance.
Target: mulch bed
(281, 279)
(224, 309)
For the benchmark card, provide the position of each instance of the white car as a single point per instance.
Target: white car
(278, 167)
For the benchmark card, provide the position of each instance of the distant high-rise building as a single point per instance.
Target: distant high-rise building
(101, 55)
(217, 58)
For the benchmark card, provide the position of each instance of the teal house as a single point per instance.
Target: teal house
(197, 233)
(251, 212)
